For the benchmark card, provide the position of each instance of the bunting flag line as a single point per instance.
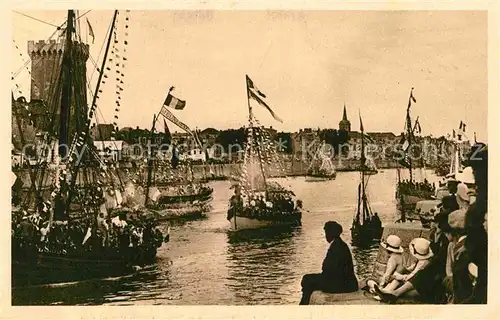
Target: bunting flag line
(91, 31)
(173, 102)
(170, 117)
(257, 95)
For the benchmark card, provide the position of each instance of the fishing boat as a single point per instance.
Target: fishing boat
(322, 167)
(174, 196)
(425, 210)
(56, 227)
(366, 226)
(371, 167)
(409, 192)
(258, 202)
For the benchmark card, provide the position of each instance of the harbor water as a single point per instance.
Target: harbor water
(206, 264)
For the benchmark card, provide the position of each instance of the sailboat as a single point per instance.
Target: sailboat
(409, 192)
(366, 226)
(179, 199)
(64, 244)
(321, 167)
(257, 202)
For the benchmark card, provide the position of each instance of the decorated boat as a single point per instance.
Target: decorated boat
(63, 226)
(409, 192)
(258, 202)
(425, 210)
(172, 190)
(321, 167)
(366, 225)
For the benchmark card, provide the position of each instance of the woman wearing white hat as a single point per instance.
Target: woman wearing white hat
(414, 285)
(395, 264)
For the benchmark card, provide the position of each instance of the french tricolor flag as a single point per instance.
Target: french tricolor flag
(174, 102)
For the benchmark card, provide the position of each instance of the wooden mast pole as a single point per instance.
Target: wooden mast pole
(150, 160)
(250, 116)
(66, 72)
(87, 127)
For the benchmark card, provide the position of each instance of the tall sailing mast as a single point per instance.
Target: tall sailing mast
(250, 118)
(409, 132)
(86, 129)
(66, 75)
(363, 161)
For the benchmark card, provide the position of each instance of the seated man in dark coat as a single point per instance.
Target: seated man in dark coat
(337, 275)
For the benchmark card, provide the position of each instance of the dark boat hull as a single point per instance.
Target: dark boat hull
(245, 223)
(45, 268)
(365, 234)
(203, 196)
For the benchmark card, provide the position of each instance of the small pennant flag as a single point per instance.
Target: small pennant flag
(91, 31)
(175, 158)
(257, 95)
(173, 102)
(168, 136)
(418, 129)
(365, 136)
(412, 98)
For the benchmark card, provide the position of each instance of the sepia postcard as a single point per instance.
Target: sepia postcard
(233, 160)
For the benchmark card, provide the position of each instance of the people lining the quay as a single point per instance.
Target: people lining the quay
(337, 274)
(455, 270)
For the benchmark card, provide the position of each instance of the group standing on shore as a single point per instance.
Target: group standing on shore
(448, 268)
(452, 266)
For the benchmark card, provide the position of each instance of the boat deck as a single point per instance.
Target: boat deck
(406, 231)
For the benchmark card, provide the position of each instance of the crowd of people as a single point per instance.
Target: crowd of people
(276, 206)
(422, 189)
(450, 266)
(99, 234)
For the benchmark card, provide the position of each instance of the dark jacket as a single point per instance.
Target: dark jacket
(338, 269)
(450, 203)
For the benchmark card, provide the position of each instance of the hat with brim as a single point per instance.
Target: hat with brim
(392, 244)
(420, 249)
(472, 269)
(456, 219)
(466, 176)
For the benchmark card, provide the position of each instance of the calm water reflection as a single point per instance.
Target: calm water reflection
(204, 263)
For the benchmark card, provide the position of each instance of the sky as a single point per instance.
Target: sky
(308, 63)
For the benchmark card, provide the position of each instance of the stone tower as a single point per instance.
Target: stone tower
(344, 124)
(46, 60)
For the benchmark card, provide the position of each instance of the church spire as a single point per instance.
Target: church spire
(344, 124)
